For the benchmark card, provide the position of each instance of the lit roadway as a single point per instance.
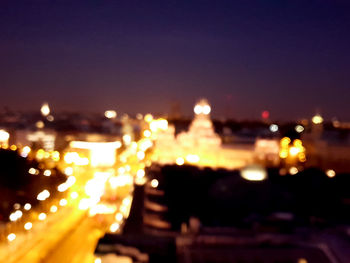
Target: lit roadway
(69, 235)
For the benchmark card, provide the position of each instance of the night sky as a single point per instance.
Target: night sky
(289, 57)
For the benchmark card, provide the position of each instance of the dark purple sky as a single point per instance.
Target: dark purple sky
(290, 57)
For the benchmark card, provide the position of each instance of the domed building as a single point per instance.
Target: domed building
(200, 145)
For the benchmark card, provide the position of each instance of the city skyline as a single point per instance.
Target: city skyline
(290, 58)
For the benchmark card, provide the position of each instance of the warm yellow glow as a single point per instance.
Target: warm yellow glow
(11, 237)
(27, 206)
(206, 109)
(330, 173)
(13, 147)
(140, 155)
(62, 187)
(147, 133)
(121, 170)
(192, 158)
(293, 170)
(15, 215)
(70, 157)
(148, 117)
(43, 195)
(127, 139)
(302, 260)
(302, 157)
(4, 136)
(317, 119)
(40, 154)
(32, 171)
(68, 171)
(55, 156)
(25, 151)
(28, 226)
(114, 227)
(294, 151)
(140, 173)
(110, 114)
(284, 153)
(145, 144)
(198, 109)
(63, 202)
(39, 124)
(119, 217)
(98, 260)
(154, 183)
(285, 141)
(84, 204)
(45, 109)
(254, 173)
(47, 172)
(42, 216)
(299, 128)
(180, 161)
(74, 195)
(53, 209)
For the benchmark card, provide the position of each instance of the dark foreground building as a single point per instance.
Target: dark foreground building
(205, 215)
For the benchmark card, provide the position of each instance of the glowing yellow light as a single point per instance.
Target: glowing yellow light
(13, 147)
(27, 206)
(32, 171)
(297, 143)
(299, 128)
(63, 202)
(140, 173)
(62, 187)
(147, 133)
(126, 139)
(140, 155)
(47, 172)
(154, 183)
(55, 156)
(28, 226)
(25, 151)
(302, 260)
(45, 109)
(317, 119)
(330, 173)
(285, 141)
(254, 173)
(110, 114)
(302, 157)
(114, 227)
(119, 217)
(4, 136)
(71, 180)
(294, 151)
(121, 170)
(68, 171)
(40, 154)
(74, 195)
(192, 158)
(15, 216)
(148, 117)
(39, 124)
(206, 109)
(293, 170)
(180, 161)
(42, 216)
(43, 195)
(198, 109)
(11, 237)
(53, 209)
(98, 260)
(84, 204)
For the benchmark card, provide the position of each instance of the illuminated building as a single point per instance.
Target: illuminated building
(200, 145)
